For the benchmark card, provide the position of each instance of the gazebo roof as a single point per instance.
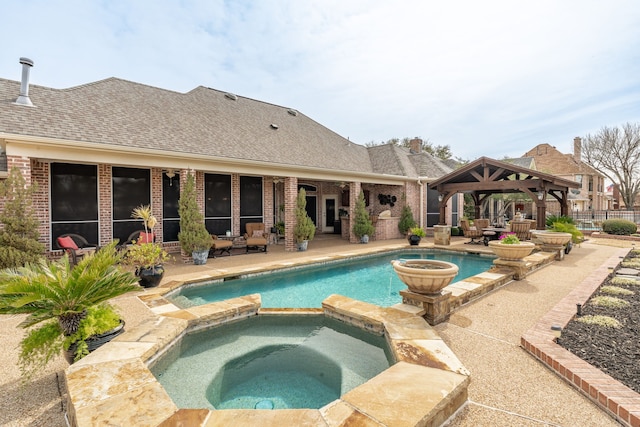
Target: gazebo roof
(485, 176)
(489, 176)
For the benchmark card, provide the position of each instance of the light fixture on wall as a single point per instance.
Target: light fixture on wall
(170, 173)
(341, 184)
(277, 179)
(541, 195)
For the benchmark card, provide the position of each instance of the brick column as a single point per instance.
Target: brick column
(354, 193)
(290, 195)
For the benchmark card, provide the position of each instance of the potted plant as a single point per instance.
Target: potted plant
(508, 247)
(146, 257)
(561, 230)
(362, 227)
(415, 235)
(67, 304)
(194, 238)
(304, 229)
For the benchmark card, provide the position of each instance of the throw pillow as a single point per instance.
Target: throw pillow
(145, 238)
(257, 233)
(67, 243)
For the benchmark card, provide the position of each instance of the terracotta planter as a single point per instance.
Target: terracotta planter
(552, 237)
(425, 276)
(511, 252)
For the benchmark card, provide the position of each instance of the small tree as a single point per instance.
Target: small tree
(615, 153)
(406, 220)
(305, 229)
(19, 235)
(193, 235)
(362, 223)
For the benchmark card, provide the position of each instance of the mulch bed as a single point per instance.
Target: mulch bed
(614, 351)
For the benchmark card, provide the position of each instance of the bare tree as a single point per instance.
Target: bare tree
(442, 152)
(615, 152)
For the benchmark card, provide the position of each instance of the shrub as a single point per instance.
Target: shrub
(406, 220)
(417, 231)
(304, 229)
(19, 235)
(362, 224)
(193, 235)
(622, 227)
(455, 231)
(610, 302)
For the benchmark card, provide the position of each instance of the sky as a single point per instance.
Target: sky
(487, 78)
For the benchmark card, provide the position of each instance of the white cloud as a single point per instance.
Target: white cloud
(488, 78)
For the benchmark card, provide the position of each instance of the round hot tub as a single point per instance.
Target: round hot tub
(271, 362)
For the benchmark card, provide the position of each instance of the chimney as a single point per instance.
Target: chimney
(415, 145)
(23, 99)
(577, 149)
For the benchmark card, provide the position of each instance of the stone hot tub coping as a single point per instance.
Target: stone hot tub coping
(427, 384)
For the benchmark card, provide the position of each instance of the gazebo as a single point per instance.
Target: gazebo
(485, 176)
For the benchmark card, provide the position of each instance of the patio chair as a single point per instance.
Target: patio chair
(256, 236)
(75, 246)
(221, 245)
(522, 229)
(471, 232)
(139, 237)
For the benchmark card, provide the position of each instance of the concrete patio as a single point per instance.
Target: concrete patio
(508, 386)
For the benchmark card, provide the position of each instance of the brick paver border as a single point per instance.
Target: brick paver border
(612, 396)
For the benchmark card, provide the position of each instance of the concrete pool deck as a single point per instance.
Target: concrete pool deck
(508, 387)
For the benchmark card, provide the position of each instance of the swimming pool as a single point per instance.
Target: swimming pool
(271, 362)
(370, 279)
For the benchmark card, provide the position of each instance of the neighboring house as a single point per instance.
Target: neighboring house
(591, 195)
(98, 150)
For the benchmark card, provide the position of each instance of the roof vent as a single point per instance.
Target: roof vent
(231, 96)
(274, 126)
(23, 99)
(292, 112)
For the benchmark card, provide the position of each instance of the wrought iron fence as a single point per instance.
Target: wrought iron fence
(592, 219)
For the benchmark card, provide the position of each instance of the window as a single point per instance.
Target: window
(74, 201)
(217, 209)
(250, 200)
(131, 188)
(433, 207)
(170, 199)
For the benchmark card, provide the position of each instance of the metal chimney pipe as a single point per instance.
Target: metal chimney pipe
(23, 99)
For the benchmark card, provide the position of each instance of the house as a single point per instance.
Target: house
(100, 149)
(591, 194)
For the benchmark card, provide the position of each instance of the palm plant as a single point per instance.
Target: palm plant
(58, 297)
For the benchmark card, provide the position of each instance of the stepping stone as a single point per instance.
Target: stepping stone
(628, 272)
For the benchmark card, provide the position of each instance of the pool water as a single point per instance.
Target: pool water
(369, 279)
(271, 362)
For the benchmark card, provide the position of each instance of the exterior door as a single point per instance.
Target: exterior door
(329, 212)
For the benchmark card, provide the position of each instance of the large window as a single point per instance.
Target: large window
(433, 207)
(170, 199)
(131, 188)
(217, 207)
(74, 201)
(250, 200)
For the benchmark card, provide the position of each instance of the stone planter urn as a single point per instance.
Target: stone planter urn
(552, 237)
(425, 276)
(511, 252)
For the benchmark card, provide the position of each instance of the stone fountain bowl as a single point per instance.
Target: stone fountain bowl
(547, 237)
(425, 276)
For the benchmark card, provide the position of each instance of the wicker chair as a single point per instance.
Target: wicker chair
(75, 246)
(471, 232)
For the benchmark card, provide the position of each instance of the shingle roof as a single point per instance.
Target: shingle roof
(550, 160)
(201, 122)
